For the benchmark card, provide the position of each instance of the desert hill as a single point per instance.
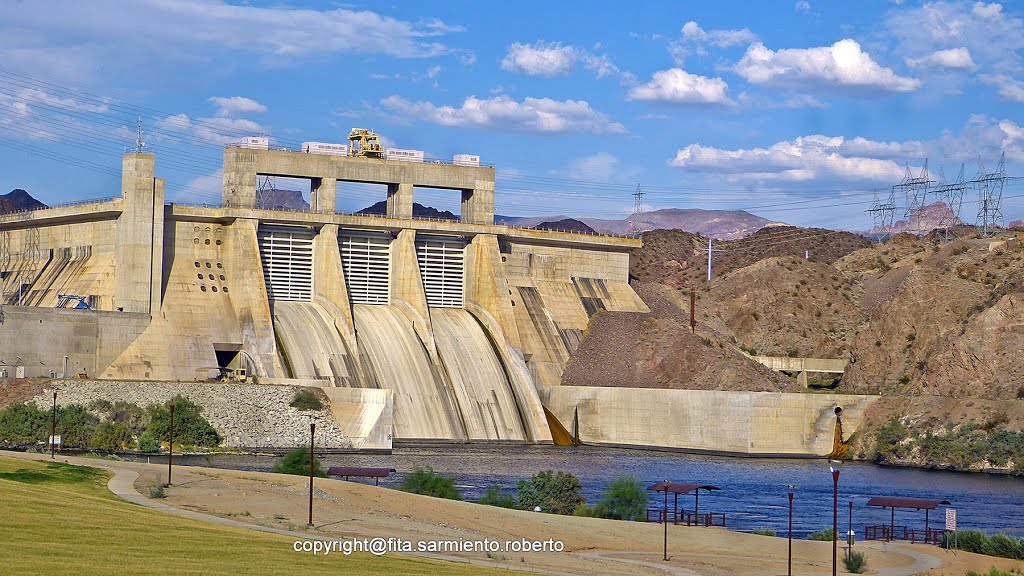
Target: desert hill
(17, 200)
(716, 224)
(936, 329)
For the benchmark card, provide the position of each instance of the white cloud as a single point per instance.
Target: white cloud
(95, 35)
(218, 130)
(540, 59)
(675, 86)
(551, 59)
(802, 159)
(540, 115)
(600, 167)
(721, 38)
(841, 68)
(995, 39)
(816, 158)
(236, 105)
(1008, 87)
(951, 59)
(803, 6)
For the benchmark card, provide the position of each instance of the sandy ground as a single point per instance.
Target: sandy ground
(592, 546)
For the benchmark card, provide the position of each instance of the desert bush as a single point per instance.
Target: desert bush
(190, 428)
(555, 493)
(157, 491)
(495, 497)
(429, 483)
(855, 562)
(763, 531)
(112, 435)
(889, 441)
(626, 499)
(24, 424)
(823, 535)
(306, 400)
(297, 462)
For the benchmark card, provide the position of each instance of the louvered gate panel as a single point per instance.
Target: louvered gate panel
(366, 262)
(287, 256)
(442, 264)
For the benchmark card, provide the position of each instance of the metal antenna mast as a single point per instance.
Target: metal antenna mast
(953, 196)
(990, 194)
(139, 144)
(915, 191)
(883, 214)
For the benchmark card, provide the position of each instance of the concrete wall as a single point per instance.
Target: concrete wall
(42, 337)
(741, 423)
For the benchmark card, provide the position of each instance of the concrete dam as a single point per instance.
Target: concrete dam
(416, 330)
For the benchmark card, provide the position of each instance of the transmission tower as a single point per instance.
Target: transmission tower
(915, 190)
(990, 194)
(264, 192)
(638, 208)
(139, 144)
(953, 196)
(883, 213)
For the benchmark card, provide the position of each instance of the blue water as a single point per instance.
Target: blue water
(753, 494)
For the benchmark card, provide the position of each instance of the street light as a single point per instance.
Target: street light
(170, 446)
(835, 466)
(312, 431)
(789, 572)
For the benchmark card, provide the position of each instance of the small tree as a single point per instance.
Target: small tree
(190, 427)
(306, 400)
(429, 483)
(626, 499)
(495, 497)
(855, 562)
(555, 493)
(297, 462)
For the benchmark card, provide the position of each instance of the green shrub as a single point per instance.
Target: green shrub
(889, 445)
(306, 400)
(626, 499)
(157, 492)
(584, 511)
(134, 417)
(24, 424)
(1005, 547)
(823, 535)
(763, 531)
(112, 435)
(429, 483)
(297, 462)
(555, 493)
(855, 562)
(148, 442)
(996, 572)
(75, 426)
(495, 497)
(190, 428)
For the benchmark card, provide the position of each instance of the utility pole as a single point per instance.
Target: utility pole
(312, 431)
(170, 446)
(711, 250)
(693, 305)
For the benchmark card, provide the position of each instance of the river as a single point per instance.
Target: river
(753, 490)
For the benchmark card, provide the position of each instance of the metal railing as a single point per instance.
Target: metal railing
(423, 161)
(687, 518)
(9, 215)
(889, 533)
(415, 218)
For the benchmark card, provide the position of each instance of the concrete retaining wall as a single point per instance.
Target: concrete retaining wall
(741, 423)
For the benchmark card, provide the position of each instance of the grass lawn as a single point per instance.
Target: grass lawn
(61, 519)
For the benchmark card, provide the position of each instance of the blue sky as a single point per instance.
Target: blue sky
(794, 110)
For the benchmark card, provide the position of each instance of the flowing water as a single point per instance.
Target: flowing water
(753, 493)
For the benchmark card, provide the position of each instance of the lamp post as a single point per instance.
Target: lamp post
(312, 431)
(53, 426)
(835, 466)
(789, 564)
(664, 522)
(850, 534)
(170, 446)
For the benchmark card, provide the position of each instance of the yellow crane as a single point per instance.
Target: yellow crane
(364, 143)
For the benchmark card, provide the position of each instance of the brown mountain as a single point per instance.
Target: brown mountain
(17, 200)
(922, 221)
(716, 224)
(274, 199)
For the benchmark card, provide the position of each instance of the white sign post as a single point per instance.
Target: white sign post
(54, 441)
(951, 527)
